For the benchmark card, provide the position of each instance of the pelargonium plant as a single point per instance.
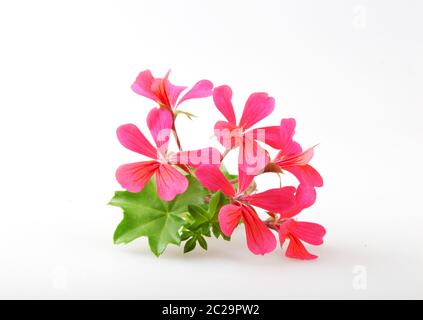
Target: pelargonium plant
(187, 196)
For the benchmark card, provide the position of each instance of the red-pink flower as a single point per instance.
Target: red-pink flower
(260, 239)
(162, 91)
(296, 232)
(291, 156)
(231, 134)
(133, 177)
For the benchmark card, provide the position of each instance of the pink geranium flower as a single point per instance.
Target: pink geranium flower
(231, 134)
(162, 91)
(260, 239)
(170, 182)
(291, 157)
(296, 232)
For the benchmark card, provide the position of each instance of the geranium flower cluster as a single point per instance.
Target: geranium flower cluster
(193, 180)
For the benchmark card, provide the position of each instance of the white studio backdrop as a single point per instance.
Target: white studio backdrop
(350, 72)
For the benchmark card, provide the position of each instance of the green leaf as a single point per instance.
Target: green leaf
(145, 214)
(202, 242)
(186, 234)
(190, 245)
(205, 231)
(217, 232)
(216, 202)
(199, 223)
(199, 216)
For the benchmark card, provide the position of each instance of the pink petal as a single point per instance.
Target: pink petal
(227, 134)
(160, 89)
(222, 97)
(229, 217)
(202, 89)
(167, 94)
(173, 93)
(260, 239)
(132, 138)
(258, 106)
(213, 179)
(309, 232)
(287, 131)
(244, 180)
(252, 157)
(274, 200)
(134, 176)
(306, 175)
(170, 182)
(269, 135)
(284, 232)
(296, 250)
(160, 123)
(199, 157)
(296, 231)
(299, 159)
(143, 83)
(293, 149)
(304, 197)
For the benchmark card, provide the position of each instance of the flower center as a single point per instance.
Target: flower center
(163, 157)
(238, 197)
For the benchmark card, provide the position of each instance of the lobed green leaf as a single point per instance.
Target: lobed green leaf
(145, 214)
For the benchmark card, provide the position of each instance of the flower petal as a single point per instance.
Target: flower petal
(213, 179)
(134, 176)
(288, 146)
(143, 83)
(260, 239)
(159, 87)
(287, 130)
(199, 157)
(170, 182)
(227, 134)
(173, 93)
(132, 138)
(222, 97)
(306, 175)
(229, 217)
(295, 231)
(244, 180)
(258, 106)
(160, 122)
(252, 157)
(309, 232)
(296, 250)
(202, 89)
(269, 135)
(274, 200)
(299, 159)
(304, 197)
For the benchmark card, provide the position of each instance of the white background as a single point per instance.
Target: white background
(350, 72)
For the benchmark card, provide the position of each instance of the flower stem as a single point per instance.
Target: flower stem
(175, 134)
